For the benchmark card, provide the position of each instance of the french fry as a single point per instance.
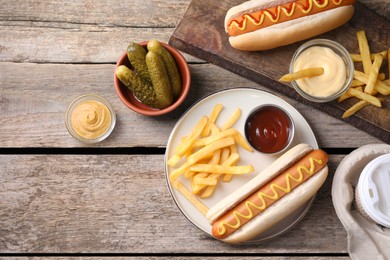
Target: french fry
(210, 139)
(197, 188)
(214, 129)
(231, 160)
(174, 160)
(179, 171)
(189, 174)
(222, 134)
(305, 73)
(221, 169)
(224, 155)
(373, 75)
(364, 96)
(183, 190)
(216, 157)
(208, 191)
(358, 83)
(347, 94)
(388, 61)
(198, 180)
(212, 118)
(208, 149)
(356, 107)
(364, 51)
(380, 86)
(227, 177)
(358, 58)
(232, 120)
(242, 141)
(187, 142)
(353, 109)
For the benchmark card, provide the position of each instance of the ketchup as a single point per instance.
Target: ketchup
(269, 129)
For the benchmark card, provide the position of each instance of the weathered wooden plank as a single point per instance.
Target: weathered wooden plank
(82, 31)
(34, 98)
(120, 203)
(107, 13)
(76, 44)
(73, 43)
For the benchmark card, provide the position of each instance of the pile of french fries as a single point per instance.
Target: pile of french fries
(369, 85)
(206, 155)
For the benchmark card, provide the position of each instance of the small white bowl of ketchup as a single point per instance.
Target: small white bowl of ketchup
(269, 129)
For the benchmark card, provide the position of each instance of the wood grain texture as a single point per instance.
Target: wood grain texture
(53, 51)
(91, 31)
(33, 107)
(82, 31)
(120, 203)
(210, 42)
(106, 13)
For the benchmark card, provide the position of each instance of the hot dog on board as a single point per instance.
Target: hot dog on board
(265, 24)
(271, 196)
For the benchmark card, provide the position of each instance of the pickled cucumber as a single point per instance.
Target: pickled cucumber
(170, 63)
(141, 90)
(158, 74)
(136, 55)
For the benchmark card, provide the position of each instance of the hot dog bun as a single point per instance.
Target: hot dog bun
(286, 32)
(278, 166)
(290, 183)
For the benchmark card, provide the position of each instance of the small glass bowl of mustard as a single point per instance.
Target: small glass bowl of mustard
(338, 70)
(90, 118)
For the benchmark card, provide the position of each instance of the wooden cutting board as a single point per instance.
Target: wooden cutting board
(201, 34)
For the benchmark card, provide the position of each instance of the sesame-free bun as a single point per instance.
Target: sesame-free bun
(292, 31)
(274, 169)
(280, 210)
(282, 207)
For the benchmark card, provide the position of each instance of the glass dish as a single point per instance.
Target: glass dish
(93, 98)
(339, 50)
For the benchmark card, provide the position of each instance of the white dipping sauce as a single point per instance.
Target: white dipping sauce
(334, 75)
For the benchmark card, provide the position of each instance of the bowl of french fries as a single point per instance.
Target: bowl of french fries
(315, 79)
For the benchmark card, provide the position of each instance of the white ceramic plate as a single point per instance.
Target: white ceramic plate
(246, 99)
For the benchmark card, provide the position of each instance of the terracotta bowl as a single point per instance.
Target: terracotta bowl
(133, 103)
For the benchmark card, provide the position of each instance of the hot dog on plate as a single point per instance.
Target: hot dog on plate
(265, 24)
(271, 196)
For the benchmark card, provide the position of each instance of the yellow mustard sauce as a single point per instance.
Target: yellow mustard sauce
(274, 15)
(91, 119)
(222, 229)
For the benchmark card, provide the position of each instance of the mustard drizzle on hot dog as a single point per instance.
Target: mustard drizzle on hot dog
(274, 13)
(238, 216)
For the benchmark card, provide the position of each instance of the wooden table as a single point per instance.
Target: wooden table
(59, 197)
